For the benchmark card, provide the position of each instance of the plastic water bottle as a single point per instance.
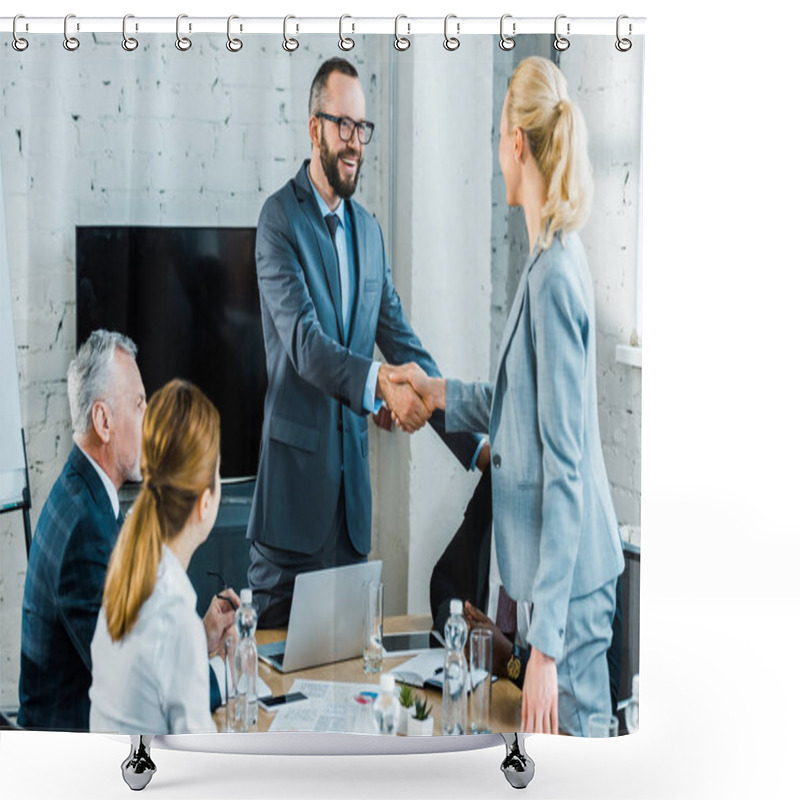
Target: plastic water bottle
(454, 688)
(632, 709)
(245, 663)
(387, 707)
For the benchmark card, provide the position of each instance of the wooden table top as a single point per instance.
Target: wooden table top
(506, 697)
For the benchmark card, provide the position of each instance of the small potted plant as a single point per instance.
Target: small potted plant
(421, 722)
(406, 706)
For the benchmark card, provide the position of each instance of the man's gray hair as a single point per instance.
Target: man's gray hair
(89, 375)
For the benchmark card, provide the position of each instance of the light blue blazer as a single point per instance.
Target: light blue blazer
(556, 532)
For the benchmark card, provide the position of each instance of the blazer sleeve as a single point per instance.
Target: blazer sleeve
(469, 405)
(560, 327)
(399, 344)
(80, 584)
(316, 357)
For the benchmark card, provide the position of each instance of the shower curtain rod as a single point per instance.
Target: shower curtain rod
(347, 24)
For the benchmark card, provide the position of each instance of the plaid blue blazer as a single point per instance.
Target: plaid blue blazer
(70, 551)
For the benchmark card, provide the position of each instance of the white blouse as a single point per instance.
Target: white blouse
(155, 680)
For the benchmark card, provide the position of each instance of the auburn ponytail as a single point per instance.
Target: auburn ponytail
(180, 451)
(556, 132)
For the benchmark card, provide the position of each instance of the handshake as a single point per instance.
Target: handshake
(410, 394)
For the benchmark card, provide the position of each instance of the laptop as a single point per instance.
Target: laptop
(326, 620)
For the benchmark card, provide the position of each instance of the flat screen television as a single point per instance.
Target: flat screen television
(188, 297)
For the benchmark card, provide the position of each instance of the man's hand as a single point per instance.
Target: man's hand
(502, 648)
(407, 408)
(431, 390)
(218, 621)
(540, 695)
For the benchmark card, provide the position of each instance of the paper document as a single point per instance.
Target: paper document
(339, 707)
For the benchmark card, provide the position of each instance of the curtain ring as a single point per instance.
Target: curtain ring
(70, 42)
(345, 42)
(183, 43)
(128, 42)
(623, 45)
(507, 42)
(561, 43)
(233, 44)
(289, 45)
(451, 42)
(400, 42)
(19, 44)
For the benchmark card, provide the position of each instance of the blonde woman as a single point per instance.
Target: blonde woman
(556, 535)
(149, 652)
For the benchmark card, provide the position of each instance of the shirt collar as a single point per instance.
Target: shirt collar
(176, 576)
(323, 206)
(110, 488)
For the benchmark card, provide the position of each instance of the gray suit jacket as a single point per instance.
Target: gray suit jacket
(556, 531)
(315, 427)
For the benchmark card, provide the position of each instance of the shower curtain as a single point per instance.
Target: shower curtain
(134, 180)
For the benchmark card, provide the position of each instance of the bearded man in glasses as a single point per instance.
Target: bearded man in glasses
(327, 298)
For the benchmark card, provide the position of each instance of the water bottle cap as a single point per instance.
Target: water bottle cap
(387, 682)
(635, 686)
(246, 596)
(456, 607)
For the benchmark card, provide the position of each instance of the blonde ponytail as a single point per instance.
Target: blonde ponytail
(180, 451)
(133, 567)
(556, 132)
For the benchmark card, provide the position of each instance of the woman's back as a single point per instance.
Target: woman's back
(155, 679)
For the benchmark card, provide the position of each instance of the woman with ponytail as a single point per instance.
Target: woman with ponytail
(149, 652)
(556, 539)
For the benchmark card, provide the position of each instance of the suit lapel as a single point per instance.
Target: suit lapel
(327, 251)
(360, 234)
(516, 309)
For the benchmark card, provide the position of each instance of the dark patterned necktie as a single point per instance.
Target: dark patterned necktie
(506, 614)
(332, 221)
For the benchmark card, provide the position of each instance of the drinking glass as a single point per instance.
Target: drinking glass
(602, 726)
(480, 673)
(373, 626)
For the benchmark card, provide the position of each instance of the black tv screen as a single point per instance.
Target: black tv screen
(188, 297)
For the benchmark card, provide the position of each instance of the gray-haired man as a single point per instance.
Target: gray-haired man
(76, 533)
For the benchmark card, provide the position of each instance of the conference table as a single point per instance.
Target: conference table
(506, 697)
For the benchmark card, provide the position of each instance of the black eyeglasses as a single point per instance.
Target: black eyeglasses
(346, 126)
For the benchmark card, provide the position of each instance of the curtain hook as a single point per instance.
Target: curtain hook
(289, 44)
(400, 42)
(233, 44)
(183, 43)
(451, 42)
(346, 43)
(507, 42)
(70, 42)
(128, 42)
(623, 45)
(19, 44)
(561, 43)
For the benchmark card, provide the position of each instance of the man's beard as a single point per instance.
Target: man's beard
(330, 166)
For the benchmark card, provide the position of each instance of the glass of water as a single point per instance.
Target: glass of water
(602, 726)
(480, 674)
(373, 626)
